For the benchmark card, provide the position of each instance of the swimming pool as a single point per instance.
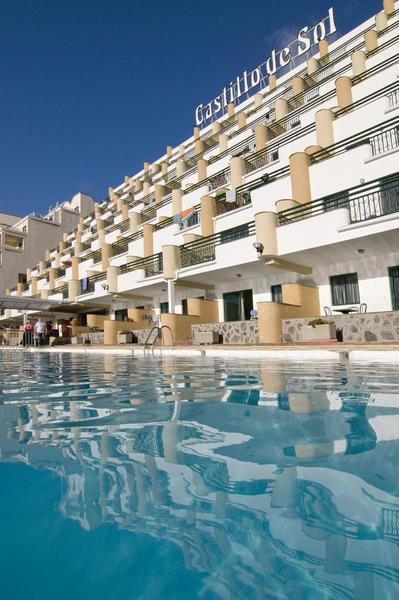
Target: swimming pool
(211, 478)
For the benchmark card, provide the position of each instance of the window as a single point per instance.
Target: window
(238, 305)
(277, 293)
(344, 289)
(394, 283)
(164, 307)
(184, 306)
(121, 314)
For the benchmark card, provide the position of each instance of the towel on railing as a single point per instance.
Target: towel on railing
(230, 196)
(184, 215)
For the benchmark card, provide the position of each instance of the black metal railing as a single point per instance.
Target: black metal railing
(87, 284)
(224, 204)
(61, 272)
(122, 225)
(62, 289)
(385, 141)
(154, 265)
(219, 179)
(204, 250)
(260, 159)
(375, 199)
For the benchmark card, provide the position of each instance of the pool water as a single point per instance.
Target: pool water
(210, 478)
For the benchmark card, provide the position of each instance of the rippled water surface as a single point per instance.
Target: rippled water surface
(184, 478)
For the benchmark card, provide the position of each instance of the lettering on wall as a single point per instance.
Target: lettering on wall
(307, 38)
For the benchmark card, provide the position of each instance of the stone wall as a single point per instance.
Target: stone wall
(233, 332)
(356, 328)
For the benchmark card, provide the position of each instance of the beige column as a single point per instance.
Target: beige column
(282, 108)
(42, 266)
(75, 267)
(57, 257)
(223, 142)
(125, 211)
(343, 86)
(272, 82)
(312, 66)
(323, 48)
(237, 170)
(78, 249)
(324, 127)
(146, 187)
(34, 286)
(148, 239)
(262, 136)
(231, 109)
(20, 289)
(97, 211)
(119, 203)
(134, 218)
(159, 193)
(371, 40)
(199, 146)
(146, 166)
(52, 274)
(169, 151)
(358, 63)
(73, 289)
(180, 167)
(28, 274)
(216, 127)
(241, 119)
(176, 201)
(171, 260)
(47, 254)
(300, 177)
(164, 168)
(258, 99)
(196, 133)
(208, 211)
(298, 85)
(381, 21)
(65, 237)
(266, 232)
(44, 294)
(389, 7)
(61, 246)
(106, 254)
(138, 186)
(112, 279)
(202, 165)
(191, 237)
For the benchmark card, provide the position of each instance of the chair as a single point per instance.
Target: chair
(363, 307)
(327, 311)
(354, 309)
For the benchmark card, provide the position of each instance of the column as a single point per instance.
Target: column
(75, 267)
(298, 85)
(371, 40)
(358, 63)
(241, 119)
(381, 21)
(202, 165)
(389, 7)
(237, 170)
(300, 177)
(134, 218)
(312, 66)
(171, 296)
(171, 261)
(52, 274)
(343, 86)
(148, 241)
(176, 201)
(324, 127)
(262, 136)
(282, 108)
(272, 82)
(266, 232)
(223, 142)
(159, 193)
(258, 99)
(106, 254)
(208, 212)
(180, 167)
(112, 279)
(323, 49)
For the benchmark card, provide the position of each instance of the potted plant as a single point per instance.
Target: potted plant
(319, 330)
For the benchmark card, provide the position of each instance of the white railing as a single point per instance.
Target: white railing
(393, 99)
(311, 95)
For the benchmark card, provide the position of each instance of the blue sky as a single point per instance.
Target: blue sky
(92, 88)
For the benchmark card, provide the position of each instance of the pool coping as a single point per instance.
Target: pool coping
(390, 353)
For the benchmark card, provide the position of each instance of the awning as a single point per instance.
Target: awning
(29, 303)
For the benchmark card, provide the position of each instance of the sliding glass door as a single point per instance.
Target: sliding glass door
(238, 305)
(394, 282)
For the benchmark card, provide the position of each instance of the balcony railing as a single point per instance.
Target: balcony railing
(193, 219)
(375, 199)
(87, 284)
(219, 180)
(61, 272)
(203, 250)
(260, 159)
(393, 99)
(154, 265)
(385, 141)
(62, 289)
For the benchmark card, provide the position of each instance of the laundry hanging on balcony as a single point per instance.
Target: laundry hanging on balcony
(184, 216)
(230, 196)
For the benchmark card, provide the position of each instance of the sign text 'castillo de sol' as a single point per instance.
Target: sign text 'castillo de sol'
(243, 84)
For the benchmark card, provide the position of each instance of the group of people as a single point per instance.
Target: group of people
(35, 334)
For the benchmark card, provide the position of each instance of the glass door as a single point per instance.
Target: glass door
(394, 282)
(238, 305)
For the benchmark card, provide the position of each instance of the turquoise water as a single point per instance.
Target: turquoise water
(184, 478)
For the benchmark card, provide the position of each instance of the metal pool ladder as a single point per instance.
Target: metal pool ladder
(151, 338)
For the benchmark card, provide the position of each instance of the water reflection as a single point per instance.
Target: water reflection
(275, 480)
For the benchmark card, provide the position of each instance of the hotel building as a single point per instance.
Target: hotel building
(287, 204)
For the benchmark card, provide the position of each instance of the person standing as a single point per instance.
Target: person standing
(27, 338)
(40, 330)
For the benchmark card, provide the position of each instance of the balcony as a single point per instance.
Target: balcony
(260, 159)
(370, 201)
(62, 289)
(87, 284)
(153, 265)
(219, 180)
(385, 141)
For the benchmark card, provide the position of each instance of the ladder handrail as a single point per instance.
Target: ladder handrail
(159, 330)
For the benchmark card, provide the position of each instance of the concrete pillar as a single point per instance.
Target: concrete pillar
(241, 119)
(312, 65)
(199, 146)
(146, 166)
(52, 274)
(42, 266)
(106, 254)
(20, 289)
(112, 279)
(134, 219)
(266, 232)
(171, 296)
(282, 108)
(298, 85)
(146, 187)
(65, 237)
(389, 7)
(176, 201)
(358, 63)
(44, 294)
(371, 40)
(237, 170)
(148, 241)
(208, 212)
(164, 168)
(159, 193)
(216, 127)
(47, 254)
(61, 246)
(57, 257)
(34, 286)
(272, 82)
(202, 165)
(77, 248)
(169, 151)
(28, 274)
(171, 260)
(258, 99)
(323, 49)
(324, 127)
(300, 177)
(196, 133)
(223, 142)
(381, 21)
(180, 167)
(73, 289)
(97, 210)
(99, 224)
(75, 267)
(343, 86)
(262, 136)
(231, 109)
(137, 186)
(125, 211)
